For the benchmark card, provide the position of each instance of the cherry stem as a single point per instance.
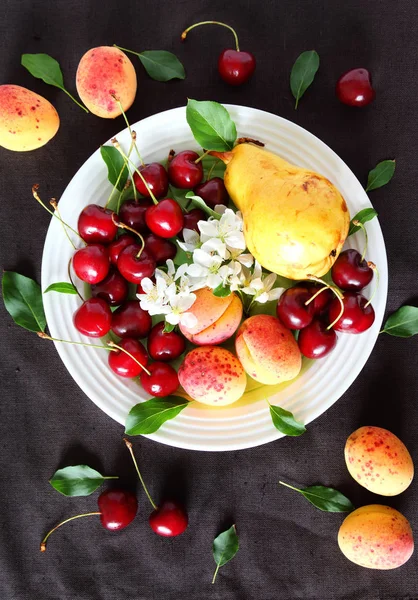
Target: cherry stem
(117, 146)
(129, 446)
(359, 224)
(315, 295)
(72, 282)
(133, 133)
(45, 336)
(186, 31)
(205, 153)
(212, 168)
(53, 213)
(127, 186)
(125, 165)
(43, 543)
(123, 226)
(376, 270)
(336, 292)
(170, 156)
(113, 345)
(54, 205)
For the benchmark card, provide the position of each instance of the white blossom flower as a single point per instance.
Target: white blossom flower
(254, 284)
(228, 229)
(153, 299)
(191, 240)
(178, 307)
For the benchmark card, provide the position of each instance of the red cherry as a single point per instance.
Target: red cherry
(322, 301)
(122, 364)
(130, 321)
(355, 88)
(183, 171)
(236, 67)
(118, 508)
(292, 309)
(95, 224)
(116, 247)
(91, 263)
(135, 268)
(93, 318)
(156, 177)
(169, 519)
(191, 219)
(132, 213)
(113, 289)
(163, 380)
(213, 192)
(315, 341)
(165, 218)
(356, 318)
(160, 248)
(165, 346)
(351, 273)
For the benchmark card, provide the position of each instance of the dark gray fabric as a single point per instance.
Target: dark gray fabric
(288, 548)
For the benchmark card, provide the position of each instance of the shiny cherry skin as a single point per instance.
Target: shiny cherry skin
(163, 380)
(356, 318)
(117, 508)
(322, 301)
(156, 177)
(165, 219)
(191, 219)
(292, 309)
(113, 289)
(213, 192)
(130, 321)
(93, 318)
(236, 67)
(355, 88)
(95, 225)
(160, 248)
(315, 341)
(165, 346)
(91, 263)
(122, 364)
(351, 273)
(183, 172)
(135, 268)
(132, 213)
(116, 247)
(169, 519)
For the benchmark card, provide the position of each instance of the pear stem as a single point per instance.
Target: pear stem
(336, 292)
(128, 228)
(359, 224)
(43, 543)
(186, 31)
(35, 188)
(129, 446)
(113, 346)
(376, 270)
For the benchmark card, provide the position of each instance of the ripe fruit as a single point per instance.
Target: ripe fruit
(169, 519)
(113, 289)
(91, 263)
(321, 301)
(130, 321)
(292, 309)
(350, 272)
(122, 364)
(165, 218)
(315, 341)
(159, 248)
(162, 381)
(95, 225)
(191, 219)
(134, 267)
(116, 247)
(165, 346)
(358, 315)
(93, 318)
(156, 177)
(183, 171)
(213, 192)
(132, 213)
(355, 88)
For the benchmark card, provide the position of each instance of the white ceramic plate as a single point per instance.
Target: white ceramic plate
(244, 424)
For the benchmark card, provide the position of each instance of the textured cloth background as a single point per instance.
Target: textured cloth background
(288, 548)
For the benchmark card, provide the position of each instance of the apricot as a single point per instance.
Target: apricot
(378, 461)
(212, 375)
(27, 120)
(267, 350)
(102, 73)
(217, 318)
(376, 537)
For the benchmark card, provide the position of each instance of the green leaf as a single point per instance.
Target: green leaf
(380, 175)
(162, 65)
(202, 204)
(62, 287)
(222, 291)
(211, 125)
(225, 546)
(367, 214)
(168, 327)
(303, 73)
(43, 66)
(117, 172)
(79, 480)
(403, 323)
(22, 298)
(324, 498)
(147, 417)
(284, 421)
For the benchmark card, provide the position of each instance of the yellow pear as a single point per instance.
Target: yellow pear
(295, 220)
